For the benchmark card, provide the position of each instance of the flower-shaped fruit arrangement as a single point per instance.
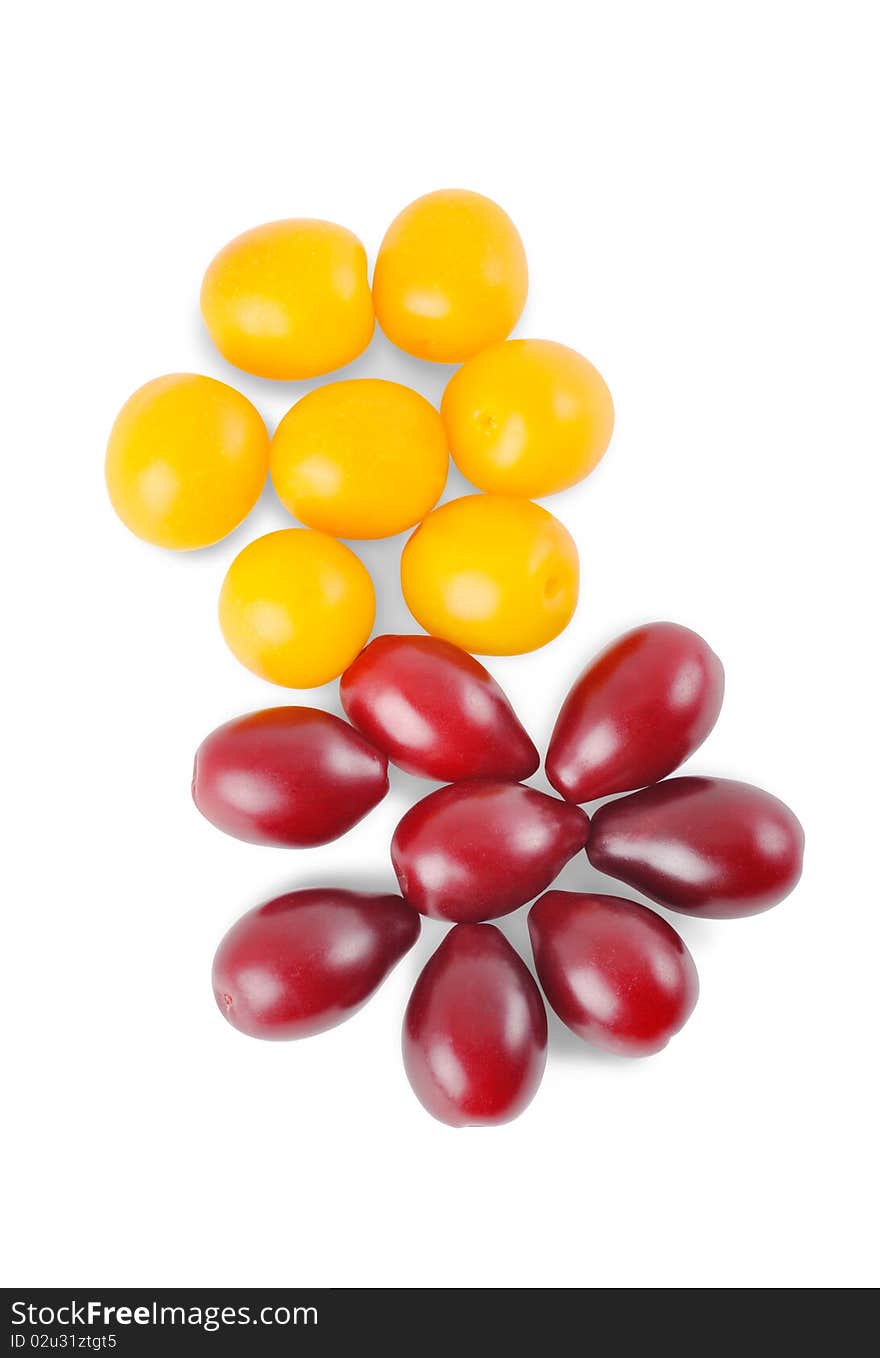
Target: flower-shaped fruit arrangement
(491, 573)
(475, 1030)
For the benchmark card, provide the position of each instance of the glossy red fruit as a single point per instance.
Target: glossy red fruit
(305, 961)
(288, 776)
(617, 974)
(635, 713)
(474, 851)
(475, 1031)
(704, 846)
(435, 711)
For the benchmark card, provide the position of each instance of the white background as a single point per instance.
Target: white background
(695, 187)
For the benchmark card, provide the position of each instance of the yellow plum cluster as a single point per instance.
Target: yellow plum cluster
(358, 459)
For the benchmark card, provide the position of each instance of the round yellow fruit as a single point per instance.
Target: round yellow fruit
(362, 459)
(494, 574)
(451, 276)
(186, 461)
(289, 299)
(527, 417)
(296, 607)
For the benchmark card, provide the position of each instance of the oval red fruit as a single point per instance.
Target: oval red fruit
(305, 961)
(435, 711)
(703, 846)
(287, 776)
(475, 1031)
(474, 851)
(636, 713)
(616, 974)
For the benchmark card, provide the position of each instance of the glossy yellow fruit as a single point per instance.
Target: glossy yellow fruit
(451, 276)
(493, 574)
(186, 461)
(362, 459)
(289, 299)
(296, 607)
(527, 417)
